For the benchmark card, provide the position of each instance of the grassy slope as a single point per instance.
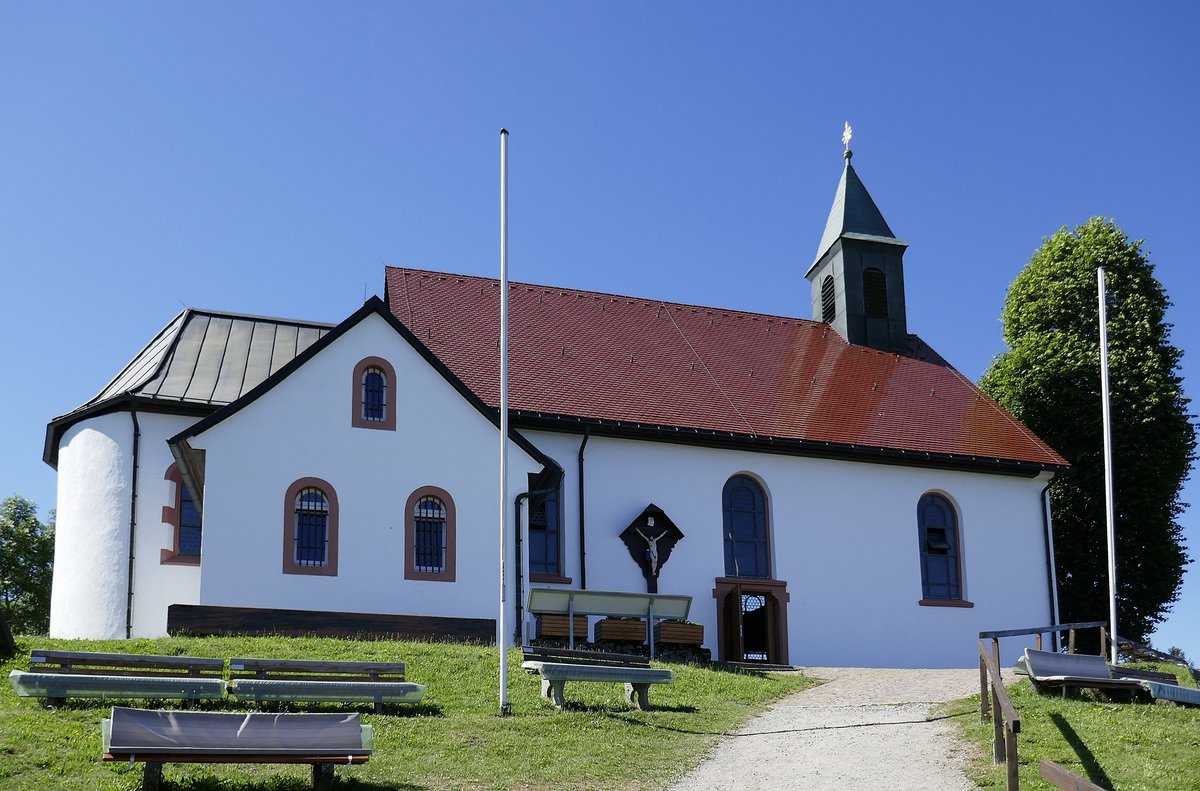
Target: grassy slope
(1126, 746)
(454, 739)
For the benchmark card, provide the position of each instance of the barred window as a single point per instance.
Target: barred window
(312, 528)
(374, 394)
(429, 546)
(429, 535)
(373, 401)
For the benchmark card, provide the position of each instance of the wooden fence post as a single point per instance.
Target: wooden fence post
(983, 691)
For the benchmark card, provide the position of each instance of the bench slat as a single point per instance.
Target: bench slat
(63, 685)
(572, 655)
(315, 666)
(327, 691)
(47, 659)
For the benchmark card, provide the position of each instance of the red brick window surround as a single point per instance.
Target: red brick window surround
(184, 519)
(429, 535)
(310, 528)
(373, 400)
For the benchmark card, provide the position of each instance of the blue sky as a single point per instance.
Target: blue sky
(270, 158)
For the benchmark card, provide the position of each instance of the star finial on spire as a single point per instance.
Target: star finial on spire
(847, 133)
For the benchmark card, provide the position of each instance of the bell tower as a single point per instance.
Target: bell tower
(857, 278)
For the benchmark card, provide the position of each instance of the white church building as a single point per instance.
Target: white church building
(828, 491)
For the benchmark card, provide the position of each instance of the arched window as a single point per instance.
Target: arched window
(373, 402)
(374, 394)
(828, 301)
(429, 544)
(310, 528)
(875, 296)
(184, 518)
(429, 535)
(941, 572)
(746, 538)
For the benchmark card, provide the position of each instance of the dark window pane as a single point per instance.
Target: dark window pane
(745, 525)
(543, 531)
(189, 523)
(938, 529)
(429, 550)
(312, 527)
(374, 394)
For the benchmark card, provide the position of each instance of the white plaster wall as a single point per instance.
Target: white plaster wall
(302, 428)
(844, 539)
(91, 546)
(89, 597)
(156, 585)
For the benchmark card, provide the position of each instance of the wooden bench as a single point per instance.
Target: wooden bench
(557, 666)
(81, 674)
(160, 737)
(292, 680)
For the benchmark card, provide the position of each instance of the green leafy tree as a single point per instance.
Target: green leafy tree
(26, 556)
(1050, 379)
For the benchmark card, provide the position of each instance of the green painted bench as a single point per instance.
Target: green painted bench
(58, 675)
(321, 681)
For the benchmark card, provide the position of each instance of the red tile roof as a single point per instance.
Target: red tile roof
(602, 357)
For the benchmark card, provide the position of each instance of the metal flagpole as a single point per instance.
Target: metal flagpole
(501, 633)
(1108, 478)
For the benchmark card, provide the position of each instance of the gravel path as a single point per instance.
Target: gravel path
(864, 728)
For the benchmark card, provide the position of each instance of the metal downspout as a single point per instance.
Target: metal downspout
(587, 433)
(1048, 527)
(517, 560)
(137, 441)
(517, 626)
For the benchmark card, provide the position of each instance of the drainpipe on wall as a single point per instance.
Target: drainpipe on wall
(517, 561)
(587, 433)
(1048, 526)
(137, 439)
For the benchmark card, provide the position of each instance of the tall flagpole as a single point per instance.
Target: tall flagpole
(501, 632)
(1108, 466)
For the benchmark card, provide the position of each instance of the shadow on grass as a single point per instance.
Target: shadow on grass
(1087, 759)
(658, 726)
(234, 706)
(281, 784)
(617, 710)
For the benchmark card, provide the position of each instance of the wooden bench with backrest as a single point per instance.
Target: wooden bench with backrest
(557, 666)
(58, 675)
(161, 737)
(322, 681)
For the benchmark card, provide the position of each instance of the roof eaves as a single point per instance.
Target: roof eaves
(786, 446)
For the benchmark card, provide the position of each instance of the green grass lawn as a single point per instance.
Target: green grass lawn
(453, 739)
(1123, 746)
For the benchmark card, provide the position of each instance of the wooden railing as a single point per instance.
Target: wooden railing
(1006, 724)
(1065, 779)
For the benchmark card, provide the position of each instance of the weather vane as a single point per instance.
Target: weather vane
(847, 133)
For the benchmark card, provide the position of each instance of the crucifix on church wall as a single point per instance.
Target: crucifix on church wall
(650, 539)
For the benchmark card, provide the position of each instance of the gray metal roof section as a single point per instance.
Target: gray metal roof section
(211, 358)
(854, 214)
